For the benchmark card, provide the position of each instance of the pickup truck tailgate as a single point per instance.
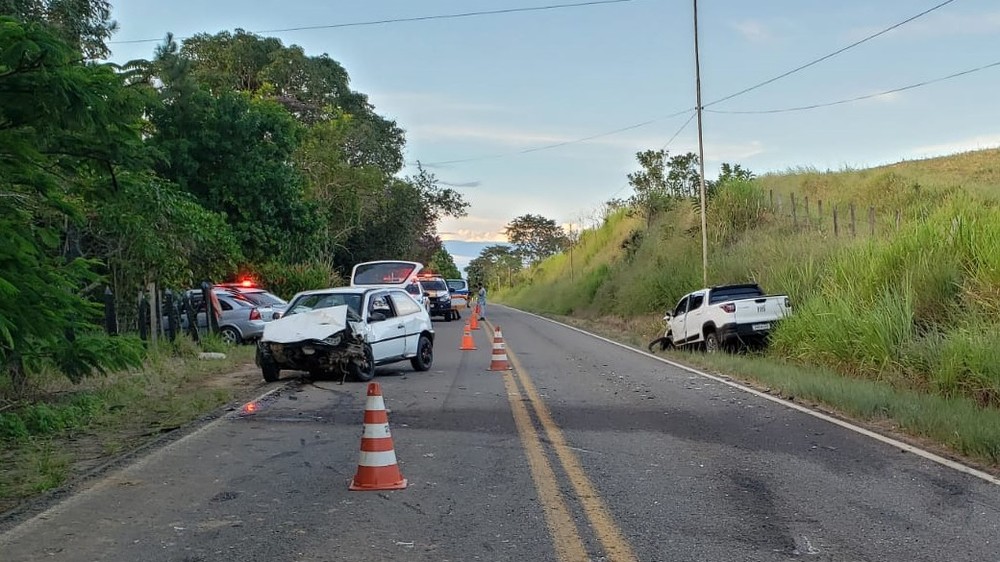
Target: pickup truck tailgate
(760, 311)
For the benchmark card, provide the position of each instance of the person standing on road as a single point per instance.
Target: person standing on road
(481, 301)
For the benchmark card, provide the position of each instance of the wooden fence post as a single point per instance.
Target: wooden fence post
(770, 195)
(854, 223)
(836, 225)
(806, 209)
(871, 220)
(795, 218)
(819, 204)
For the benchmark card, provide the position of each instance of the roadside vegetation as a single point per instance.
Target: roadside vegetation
(896, 325)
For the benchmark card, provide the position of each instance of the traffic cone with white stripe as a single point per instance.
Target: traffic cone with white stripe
(377, 468)
(498, 361)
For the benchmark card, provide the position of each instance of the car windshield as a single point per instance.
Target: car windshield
(327, 300)
(263, 298)
(434, 285)
(457, 284)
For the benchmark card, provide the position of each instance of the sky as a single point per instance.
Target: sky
(477, 95)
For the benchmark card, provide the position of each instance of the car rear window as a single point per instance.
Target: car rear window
(724, 294)
(457, 285)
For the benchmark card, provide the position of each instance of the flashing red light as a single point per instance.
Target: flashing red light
(250, 407)
(247, 283)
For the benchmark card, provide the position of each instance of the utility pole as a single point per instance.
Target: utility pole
(701, 152)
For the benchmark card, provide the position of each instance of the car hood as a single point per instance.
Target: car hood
(313, 325)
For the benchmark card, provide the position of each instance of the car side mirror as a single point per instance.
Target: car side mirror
(375, 316)
(668, 316)
(428, 295)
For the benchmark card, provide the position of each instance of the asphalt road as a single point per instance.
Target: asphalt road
(584, 451)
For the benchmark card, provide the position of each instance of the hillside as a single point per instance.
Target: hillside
(907, 294)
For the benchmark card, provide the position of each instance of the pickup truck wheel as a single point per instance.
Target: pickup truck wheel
(365, 371)
(425, 355)
(712, 343)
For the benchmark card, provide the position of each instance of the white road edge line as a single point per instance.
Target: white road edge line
(857, 429)
(102, 482)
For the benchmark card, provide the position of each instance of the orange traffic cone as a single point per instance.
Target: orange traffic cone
(377, 468)
(498, 361)
(474, 322)
(468, 344)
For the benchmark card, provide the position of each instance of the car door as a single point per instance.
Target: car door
(677, 318)
(411, 314)
(388, 334)
(694, 320)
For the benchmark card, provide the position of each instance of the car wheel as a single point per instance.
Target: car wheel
(230, 336)
(425, 355)
(366, 371)
(268, 368)
(712, 343)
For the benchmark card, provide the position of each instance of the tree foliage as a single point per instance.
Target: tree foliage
(85, 25)
(60, 125)
(536, 237)
(494, 266)
(444, 264)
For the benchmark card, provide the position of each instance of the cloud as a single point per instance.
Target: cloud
(463, 184)
(978, 142)
(521, 138)
(753, 31)
(434, 102)
(469, 235)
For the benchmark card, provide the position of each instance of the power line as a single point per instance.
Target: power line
(413, 19)
(684, 126)
(859, 98)
(829, 56)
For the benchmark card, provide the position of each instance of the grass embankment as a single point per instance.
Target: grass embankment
(67, 430)
(898, 328)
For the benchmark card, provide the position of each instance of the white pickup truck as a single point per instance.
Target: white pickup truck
(723, 317)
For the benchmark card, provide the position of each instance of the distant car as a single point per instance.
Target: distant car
(258, 296)
(460, 292)
(439, 297)
(347, 330)
(240, 319)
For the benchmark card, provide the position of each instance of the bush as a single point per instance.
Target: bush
(285, 280)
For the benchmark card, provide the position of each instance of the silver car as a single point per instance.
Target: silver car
(240, 319)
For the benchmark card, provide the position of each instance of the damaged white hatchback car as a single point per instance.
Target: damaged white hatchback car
(347, 331)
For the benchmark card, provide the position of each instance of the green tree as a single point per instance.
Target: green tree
(649, 185)
(312, 88)
(235, 153)
(536, 237)
(496, 265)
(85, 25)
(62, 124)
(444, 264)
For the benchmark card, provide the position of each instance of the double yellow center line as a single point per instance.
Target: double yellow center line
(568, 543)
